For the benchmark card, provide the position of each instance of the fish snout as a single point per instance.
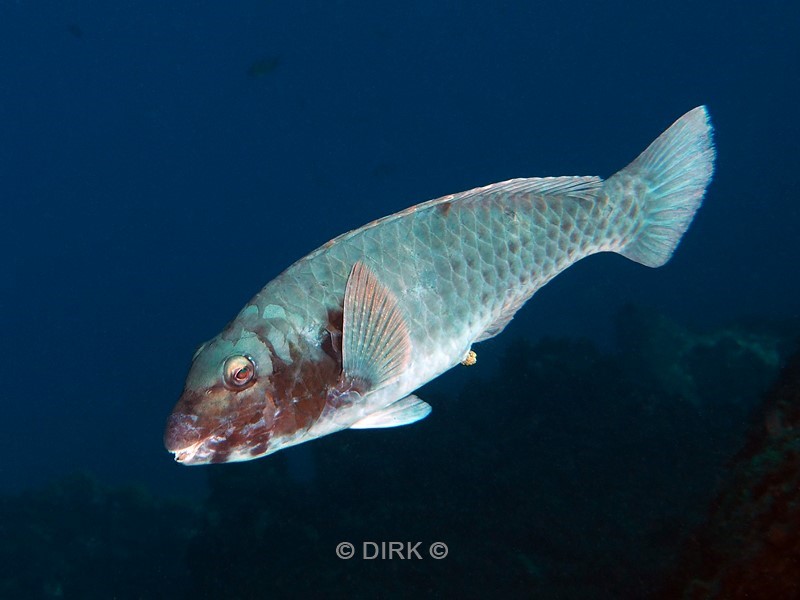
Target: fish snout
(181, 432)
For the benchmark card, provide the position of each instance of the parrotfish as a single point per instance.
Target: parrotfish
(343, 337)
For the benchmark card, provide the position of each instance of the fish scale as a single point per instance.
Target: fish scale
(343, 336)
(458, 264)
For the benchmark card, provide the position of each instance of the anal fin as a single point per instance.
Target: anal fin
(403, 412)
(497, 325)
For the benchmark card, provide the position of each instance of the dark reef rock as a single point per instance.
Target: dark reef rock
(750, 546)
(79, 539)
(568, 473)
(732, 364)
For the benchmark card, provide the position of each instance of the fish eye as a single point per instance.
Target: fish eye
(238, 372)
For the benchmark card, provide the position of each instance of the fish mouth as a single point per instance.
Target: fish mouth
(198, 440)
(193, 443)
(185, 439)
(186, 455)
(201, 452)
(214, 450)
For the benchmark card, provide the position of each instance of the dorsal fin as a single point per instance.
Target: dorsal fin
(575, 188)
(579, 188)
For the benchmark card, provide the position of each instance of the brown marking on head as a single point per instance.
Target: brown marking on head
(332, 342)
(300, 391)
(218, 424)
(300, 388)
(220, 421)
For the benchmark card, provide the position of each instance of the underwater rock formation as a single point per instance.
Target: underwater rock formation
(731, 364)
(750, 546)
(553, 478)
(569, 472)
(79, 539)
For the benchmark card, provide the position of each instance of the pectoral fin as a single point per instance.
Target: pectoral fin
(376, 347)
(403, 412)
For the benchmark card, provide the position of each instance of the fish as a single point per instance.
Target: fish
(344, 337)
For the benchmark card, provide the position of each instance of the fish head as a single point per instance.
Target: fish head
(228, 407)
(242, 401)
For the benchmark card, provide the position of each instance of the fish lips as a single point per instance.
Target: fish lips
(183, 436)
(192, 444)
(197, 437)
(189, 430)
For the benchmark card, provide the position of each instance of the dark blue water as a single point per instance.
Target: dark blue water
(160, 162)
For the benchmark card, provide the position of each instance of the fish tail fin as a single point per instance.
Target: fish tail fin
(666, 184)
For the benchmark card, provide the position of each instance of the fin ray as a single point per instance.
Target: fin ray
(402, 412)
(376, 346)
(571, 187)
(675, 169)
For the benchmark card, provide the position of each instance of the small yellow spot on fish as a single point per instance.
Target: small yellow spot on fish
(470, 359)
